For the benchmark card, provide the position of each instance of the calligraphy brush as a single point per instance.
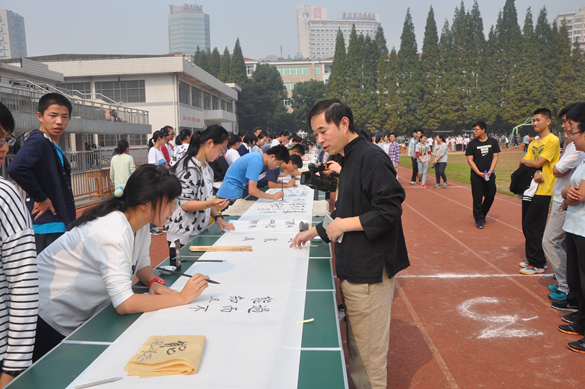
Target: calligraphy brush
(202, 260)
(168, 271)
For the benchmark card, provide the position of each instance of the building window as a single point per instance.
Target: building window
(287, 102)
(578, 20)
(289, 85)
(122, 91)
(577, 32)
(317, 69)
(108, 140)
(137, 139)
(229, 106)
(196, 97)
(215, 102)
(184, 92)
(206, 100)
(223, 104)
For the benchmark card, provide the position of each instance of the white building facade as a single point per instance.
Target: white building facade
(188, 28)
(575, 22)
(317, 33)
(12, 35)
(171, 89)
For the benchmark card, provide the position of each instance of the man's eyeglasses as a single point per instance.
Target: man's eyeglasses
(11, 141)
(572, 134)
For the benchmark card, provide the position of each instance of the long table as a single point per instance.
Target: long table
(322, 363)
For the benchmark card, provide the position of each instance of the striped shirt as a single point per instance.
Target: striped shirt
(19, 289)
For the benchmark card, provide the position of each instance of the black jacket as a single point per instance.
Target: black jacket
(37, 169)
(368, 188)
(521, 179)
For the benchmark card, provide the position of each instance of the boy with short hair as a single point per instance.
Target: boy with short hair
(43, 171)
(543, 153)
(245, 170)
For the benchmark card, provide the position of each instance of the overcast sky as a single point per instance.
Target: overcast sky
(140, 26)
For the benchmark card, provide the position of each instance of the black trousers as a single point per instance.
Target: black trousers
(534, 216)
(46, 338)
(576, 272)
(414, 169)
(483, 193)
(42, 241)
(440, 172)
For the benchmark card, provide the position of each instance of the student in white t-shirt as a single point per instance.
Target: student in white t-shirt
(95, 262)
(232, 154)
(155, 155)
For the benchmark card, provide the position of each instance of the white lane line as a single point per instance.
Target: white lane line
(450, 276)
(537, 297)
(436, 354)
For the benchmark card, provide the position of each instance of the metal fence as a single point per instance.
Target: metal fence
(90, 171)
(25, 100)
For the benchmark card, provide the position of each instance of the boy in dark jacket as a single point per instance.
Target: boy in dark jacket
(41, 169)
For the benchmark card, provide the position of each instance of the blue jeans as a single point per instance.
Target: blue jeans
(440, 172)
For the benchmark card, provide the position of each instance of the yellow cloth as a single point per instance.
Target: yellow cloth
(549, 148)
(167, 355)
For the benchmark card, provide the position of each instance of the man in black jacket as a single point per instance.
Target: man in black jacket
(368, 215)
(43, 171)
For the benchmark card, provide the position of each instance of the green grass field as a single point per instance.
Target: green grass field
(458, 169)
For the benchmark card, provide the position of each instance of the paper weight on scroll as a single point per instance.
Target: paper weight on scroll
(167, 355)
(220, 248)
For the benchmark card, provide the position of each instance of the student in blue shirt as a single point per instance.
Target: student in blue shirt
(245, 171)
(41, 169)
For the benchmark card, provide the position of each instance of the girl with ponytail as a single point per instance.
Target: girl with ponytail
(182, 145)
(155, 155)
(195, 204)
(95, 262)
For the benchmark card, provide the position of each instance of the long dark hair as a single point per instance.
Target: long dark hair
(122, 146)
(214, 132)
(185, 132)
(148, 184)
(155, 137)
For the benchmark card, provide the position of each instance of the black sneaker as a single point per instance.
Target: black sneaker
(479, 224)
(564, 306)
(571, 329)
(578, 346)
(570, 318)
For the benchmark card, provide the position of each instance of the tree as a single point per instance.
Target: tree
(431, 106)
(201, 59)
(526, 86)
(410, 75)
(448, 94)
(255, 107)
(224, 66)
(337, 88)
(269, 77)
(546, 44)
(304, 97)
(238, 73)
(578, 62)
(353, 81)
(214, 63)
(565, 83)
(388, 110)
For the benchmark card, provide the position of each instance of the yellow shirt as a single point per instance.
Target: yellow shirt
(549, 148)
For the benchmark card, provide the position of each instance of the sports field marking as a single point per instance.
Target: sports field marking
(451, 276)
(537, 297)
(501, 323)
(436, 354)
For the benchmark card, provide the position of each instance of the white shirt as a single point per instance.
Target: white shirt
(155, 155)
(231, 155)
(575, 219)
(178, 153)
(89, 267)
(275, 142)
(568, 162)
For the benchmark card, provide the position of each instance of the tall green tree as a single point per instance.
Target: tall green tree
(224, 66)
(410, 84)
(430, 111)
(305, 95)
(487, 92)
(238, 73)
(546, 45)
(389, 101)
(477, 99)
(214, 62)
(565, 88)
(448, 93)
(353, 82)
(269, 77)
(201, 59)
(337, 88)
(526, 87)
(255, 106)
(578, 62)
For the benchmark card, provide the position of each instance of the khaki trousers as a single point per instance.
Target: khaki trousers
(367, 309)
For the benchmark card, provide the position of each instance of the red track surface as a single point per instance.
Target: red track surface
(463, 316)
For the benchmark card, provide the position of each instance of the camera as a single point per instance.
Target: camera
(315, 179)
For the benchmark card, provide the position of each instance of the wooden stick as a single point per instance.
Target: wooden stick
(220, 248)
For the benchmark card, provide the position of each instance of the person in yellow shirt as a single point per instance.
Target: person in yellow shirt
(543, 153)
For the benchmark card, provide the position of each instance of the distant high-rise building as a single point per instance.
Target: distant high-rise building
(317, 34)
(188, 28)
(574, 21)
(12, 36)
